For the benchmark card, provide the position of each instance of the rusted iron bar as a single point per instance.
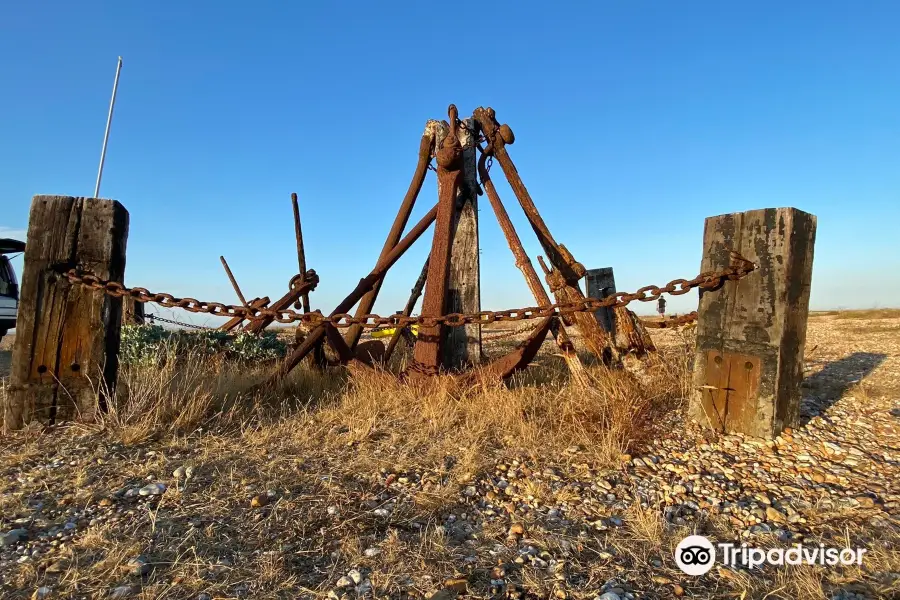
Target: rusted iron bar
(236, 321)
(523, 262)
(498, 136)
(553, 281)
(427, 352)
(563, 281)
(366, 303)
(301, 253)
(234, 283)
(300, 284)
(333, 336)
(369, 352)
(414, 296)
(319, 359)
(595, 338)
(365, 284)
(505, 366)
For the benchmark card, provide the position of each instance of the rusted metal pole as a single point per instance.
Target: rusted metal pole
(505, 366)
(365, 284)
(234, 283)
(498, 137)
(235, 321)
(300, 284)
(523, 263)
(427, 355)
(368, 300)
(564, 280)
(414, 296)
(301, 253)
(319, 359)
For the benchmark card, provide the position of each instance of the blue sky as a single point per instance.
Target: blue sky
(634, 122)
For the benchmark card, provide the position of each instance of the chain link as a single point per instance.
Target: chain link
(152, 317)
(672, 322)
(649, 293)
(191, 325)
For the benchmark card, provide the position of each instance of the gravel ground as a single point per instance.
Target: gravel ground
(83, 515)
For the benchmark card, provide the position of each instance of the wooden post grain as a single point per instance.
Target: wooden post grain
(132, 312)
(463, 344)
(751, 333)
(66, 351)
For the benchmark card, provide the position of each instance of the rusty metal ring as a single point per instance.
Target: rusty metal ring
(455, 320)
(216, 308)
(337, 318)
(189, 304)
(296, 281)
(485, 316)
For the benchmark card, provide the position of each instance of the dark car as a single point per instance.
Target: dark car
(9, 285)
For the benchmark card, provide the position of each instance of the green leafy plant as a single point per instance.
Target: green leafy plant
(151, 345)
(141, 344)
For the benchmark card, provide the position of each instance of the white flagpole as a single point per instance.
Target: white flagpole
(112, 103)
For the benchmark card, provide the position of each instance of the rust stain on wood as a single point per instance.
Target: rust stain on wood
(763, 315)
(731, 391)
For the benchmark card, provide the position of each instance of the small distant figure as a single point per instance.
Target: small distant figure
(661, 307)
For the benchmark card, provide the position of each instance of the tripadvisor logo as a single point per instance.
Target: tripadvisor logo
(696, 555)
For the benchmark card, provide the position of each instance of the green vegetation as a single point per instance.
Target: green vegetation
(149, 345)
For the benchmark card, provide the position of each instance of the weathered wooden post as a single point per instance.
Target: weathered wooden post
(624, 328)
(132, 312)
(600, 284)
(463, 344)
(67, 342)
(751, 333)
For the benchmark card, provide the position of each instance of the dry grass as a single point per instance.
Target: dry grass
(317, 442)
(335, 448)
(433, 418)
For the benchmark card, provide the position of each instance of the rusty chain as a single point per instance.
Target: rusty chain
(669, 323)
(151, 317)
(649, 293)
(672, 322)
(154, 318)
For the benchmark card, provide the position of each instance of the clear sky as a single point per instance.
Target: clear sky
(634, 121)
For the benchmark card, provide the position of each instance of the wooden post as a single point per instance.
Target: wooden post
(601, 283)
(132, 312)
(751, 333)
(622, 325)
(463, 344)
(67, 341)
